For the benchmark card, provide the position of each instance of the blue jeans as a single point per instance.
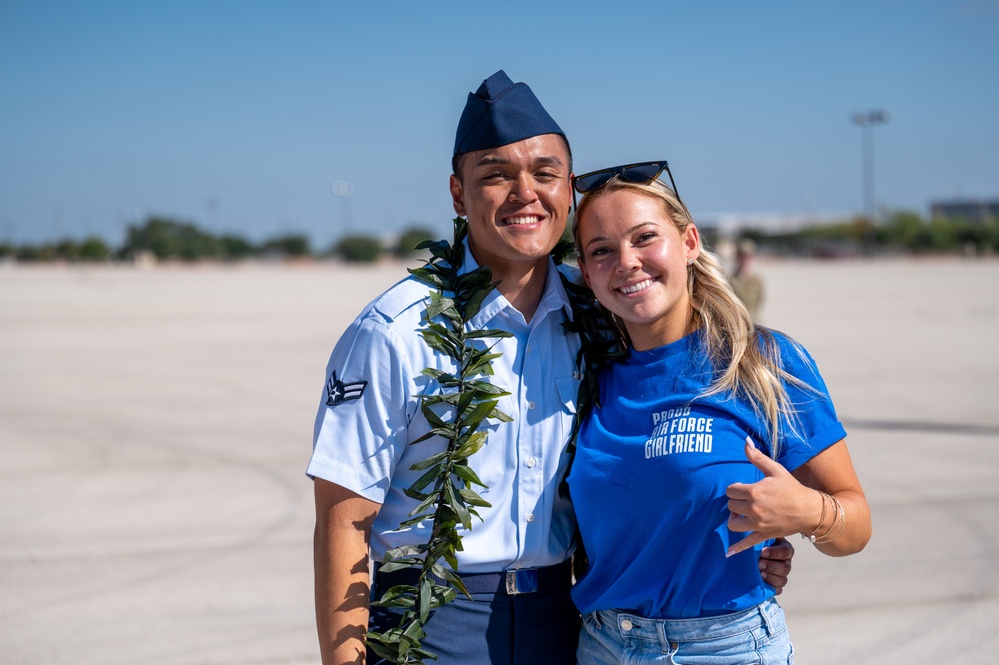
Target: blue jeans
(755, 636)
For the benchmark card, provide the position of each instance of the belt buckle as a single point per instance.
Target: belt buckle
(523, 580)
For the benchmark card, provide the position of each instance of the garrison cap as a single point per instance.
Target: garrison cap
(501, 112)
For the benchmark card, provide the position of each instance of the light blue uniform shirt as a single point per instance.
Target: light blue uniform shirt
(369, 414)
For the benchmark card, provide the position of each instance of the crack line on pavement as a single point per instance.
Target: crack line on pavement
(923, 427)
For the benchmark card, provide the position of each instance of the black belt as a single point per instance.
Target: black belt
(509, 582)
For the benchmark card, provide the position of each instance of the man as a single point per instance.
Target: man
(511, 181)
(746, 282)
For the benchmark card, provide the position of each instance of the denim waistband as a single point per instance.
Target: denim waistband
(686, 630)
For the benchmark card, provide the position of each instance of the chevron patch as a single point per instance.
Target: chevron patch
(338, 392)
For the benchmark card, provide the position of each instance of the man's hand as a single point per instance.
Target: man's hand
(775, 564)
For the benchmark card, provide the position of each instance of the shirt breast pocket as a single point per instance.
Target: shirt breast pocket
(568, 390)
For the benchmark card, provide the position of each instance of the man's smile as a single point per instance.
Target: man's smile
(521, 220)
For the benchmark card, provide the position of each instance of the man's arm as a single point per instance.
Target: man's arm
(343, 533)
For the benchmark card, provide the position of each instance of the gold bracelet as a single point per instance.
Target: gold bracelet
(822, 516)
(828, 537)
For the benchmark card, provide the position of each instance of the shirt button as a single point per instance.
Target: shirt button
(531, 405)
(530, 517)
(627, 625)
(531, 462)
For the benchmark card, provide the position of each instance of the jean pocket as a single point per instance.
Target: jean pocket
(776, 649)
(592, 620)
(721, 651)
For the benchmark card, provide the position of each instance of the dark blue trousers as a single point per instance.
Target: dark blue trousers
(540, 628)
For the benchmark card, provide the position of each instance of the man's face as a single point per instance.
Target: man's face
(516, 199)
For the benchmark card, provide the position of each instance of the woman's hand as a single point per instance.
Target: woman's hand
(776, 506)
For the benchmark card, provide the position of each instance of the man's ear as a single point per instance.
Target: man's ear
(572, 180)
(457, 196)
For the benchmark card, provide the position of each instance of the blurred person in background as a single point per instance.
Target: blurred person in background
(746, 282)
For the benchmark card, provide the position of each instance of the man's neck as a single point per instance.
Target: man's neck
(522, 285)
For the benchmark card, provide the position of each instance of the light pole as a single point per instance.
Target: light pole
(866, 121)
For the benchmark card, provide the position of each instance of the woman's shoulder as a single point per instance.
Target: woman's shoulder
(791, 356)
(769, 338)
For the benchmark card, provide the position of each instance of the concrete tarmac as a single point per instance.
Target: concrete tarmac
(155, 426)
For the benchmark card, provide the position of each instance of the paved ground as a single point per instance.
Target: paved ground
(155, 426)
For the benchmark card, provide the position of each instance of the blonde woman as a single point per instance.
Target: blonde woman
(715, 437)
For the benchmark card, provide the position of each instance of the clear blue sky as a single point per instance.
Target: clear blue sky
(241, 116)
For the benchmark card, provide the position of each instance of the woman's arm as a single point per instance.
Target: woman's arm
(784, 503)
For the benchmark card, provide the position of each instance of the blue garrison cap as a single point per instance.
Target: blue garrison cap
(501, 112)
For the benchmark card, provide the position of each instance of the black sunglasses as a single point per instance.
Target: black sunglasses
(641, 172)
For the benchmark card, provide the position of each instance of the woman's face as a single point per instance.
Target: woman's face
(635, 261)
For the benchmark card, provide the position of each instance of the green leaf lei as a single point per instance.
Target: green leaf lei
(445, 489)
(601, 343)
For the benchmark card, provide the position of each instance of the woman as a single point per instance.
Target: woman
(673, 498)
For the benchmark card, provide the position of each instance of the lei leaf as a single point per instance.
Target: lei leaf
(445, 488)
(601, 343)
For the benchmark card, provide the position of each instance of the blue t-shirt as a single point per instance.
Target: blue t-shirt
(650, 474)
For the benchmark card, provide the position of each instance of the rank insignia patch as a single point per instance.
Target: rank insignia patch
(339, 392)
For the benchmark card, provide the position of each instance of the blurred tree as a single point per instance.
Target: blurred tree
(67, 249)
(943, 235)
(992, 235)
(293, 245)
(167, 239)
(37, 253)
(358, 248)
(94, 249)
(901, 230)
(862, 233)
(410, 238)
(234, 247)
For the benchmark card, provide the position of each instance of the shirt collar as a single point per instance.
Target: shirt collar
(553, 298)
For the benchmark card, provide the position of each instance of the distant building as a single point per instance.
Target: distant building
(968, 210)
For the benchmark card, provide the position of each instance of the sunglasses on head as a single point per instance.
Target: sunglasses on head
(641, 173)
